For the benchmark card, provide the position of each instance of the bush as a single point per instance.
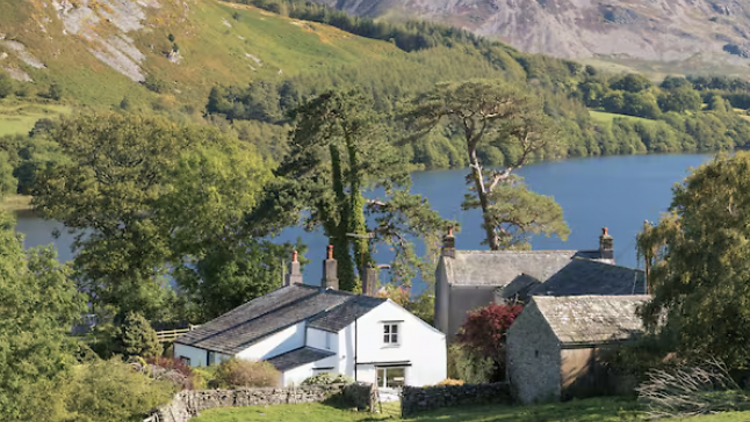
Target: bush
(174, 370)
(244, 373)
(138, 337)
(327, 379)
(111, 391)
(450, 382)
(466, 365)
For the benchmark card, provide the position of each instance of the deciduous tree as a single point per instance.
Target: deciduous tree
(698, 256)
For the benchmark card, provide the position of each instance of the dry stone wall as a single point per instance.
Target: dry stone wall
(188, 404)
(419, 399)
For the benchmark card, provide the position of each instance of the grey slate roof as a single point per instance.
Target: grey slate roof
(584, 277)
(336, 319)
(298, 357)
(241, 327)
(591, 319)
(500, 268)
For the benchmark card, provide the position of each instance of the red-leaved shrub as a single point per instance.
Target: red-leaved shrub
(173, 369)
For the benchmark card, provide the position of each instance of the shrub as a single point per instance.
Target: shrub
(138, 337)
(109, 390)
(243, 373)
(174, 370)
(450, 382)
(327, 379)
(466, 365)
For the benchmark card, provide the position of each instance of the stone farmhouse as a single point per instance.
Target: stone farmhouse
(555, 348)
(306, 330)
(467, 280)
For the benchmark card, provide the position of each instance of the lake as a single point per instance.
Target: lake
(616, 192)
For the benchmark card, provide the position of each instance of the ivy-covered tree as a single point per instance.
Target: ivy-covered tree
(495, 114)
(697, 260)
(339, 149)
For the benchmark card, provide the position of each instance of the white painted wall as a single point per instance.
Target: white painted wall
(281, 342)
(317, 339)
(419, 343)
(197, 356)
(295, 376)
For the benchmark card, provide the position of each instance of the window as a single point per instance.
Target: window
(390, 334)
(391, 377)
(185, 359)
(211, 359)
(328, 341)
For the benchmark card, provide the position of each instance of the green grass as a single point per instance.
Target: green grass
(16, 204)
(605, 118)
(20, 118)
(590, 410)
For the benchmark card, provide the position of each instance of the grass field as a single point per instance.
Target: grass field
(20, 118)
(591, 410)
(605, 118)
(16, 204)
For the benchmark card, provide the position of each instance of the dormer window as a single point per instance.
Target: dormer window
(391, 334)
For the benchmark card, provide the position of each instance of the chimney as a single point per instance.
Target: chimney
(295, 275)
(606, 246)
(449, 245)
(330, 279)
(370, 285)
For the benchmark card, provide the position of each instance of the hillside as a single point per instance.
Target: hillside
(708, 35)
(100, 51)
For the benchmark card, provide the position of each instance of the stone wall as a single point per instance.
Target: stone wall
(419, 399)
(188, 404)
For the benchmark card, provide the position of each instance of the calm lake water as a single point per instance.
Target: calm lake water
(616, 192)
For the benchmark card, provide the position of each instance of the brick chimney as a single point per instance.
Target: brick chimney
(295, 274)
(370, 283)
(330, 269)
(449, 245)
(606, 246)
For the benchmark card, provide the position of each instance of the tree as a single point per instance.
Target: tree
(483, 334)
(632, 82)
(145, 196)
(8, 183)
(55, 92)
(38, 305)
(680, 99)
(138, 338)
(500, 116)
(697, 263)
(7, 86)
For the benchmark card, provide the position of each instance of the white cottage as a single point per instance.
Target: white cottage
(306, 330)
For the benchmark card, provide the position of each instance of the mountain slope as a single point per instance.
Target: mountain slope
(653, 30)
(100, 51)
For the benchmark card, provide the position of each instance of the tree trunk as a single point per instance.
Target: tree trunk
(484, 201)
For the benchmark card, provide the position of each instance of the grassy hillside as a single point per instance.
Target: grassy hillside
(217, 42)
(605, 118)
(19, 117)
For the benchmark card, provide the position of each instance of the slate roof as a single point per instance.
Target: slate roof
(336, 319)
(500, 268)
(241, 327)
(591, 319)
(298, 357)
(584, 277)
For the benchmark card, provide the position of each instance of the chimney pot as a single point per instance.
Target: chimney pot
(449, 244)
(606, 246)
(295, 274)
(370, 284)
(330, 270)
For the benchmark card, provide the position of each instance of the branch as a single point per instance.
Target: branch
(497, 177)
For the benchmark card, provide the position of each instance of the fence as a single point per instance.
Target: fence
(171, 335)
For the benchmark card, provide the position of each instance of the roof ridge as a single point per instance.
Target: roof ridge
(505, 252)
(596, 261)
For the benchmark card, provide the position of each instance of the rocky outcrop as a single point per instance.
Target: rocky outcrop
(655, 30)
(419, 399)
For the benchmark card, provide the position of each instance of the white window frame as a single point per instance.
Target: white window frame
(391, 334)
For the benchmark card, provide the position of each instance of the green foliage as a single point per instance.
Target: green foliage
(234, 372)
(55, 92)
(497, 115)
(138, 337)
(38, 304)
(110, 390)
(697, 256)
(680, 99)
(8, 183)
(469, 366)
(154, 84)
(327, 379)
(141, 193)
(7, 86)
